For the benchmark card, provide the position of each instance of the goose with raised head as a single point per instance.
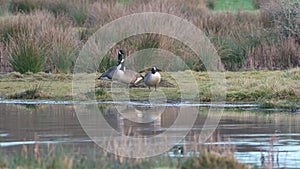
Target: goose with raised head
(126, 76)
(108, 74)
(152, 78)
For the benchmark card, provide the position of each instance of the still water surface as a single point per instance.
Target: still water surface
(254, 134)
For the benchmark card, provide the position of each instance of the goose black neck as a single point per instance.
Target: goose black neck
(120, 57)
(153, 71)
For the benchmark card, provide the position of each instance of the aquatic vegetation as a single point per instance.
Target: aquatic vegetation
(212, 160)
(80, 156)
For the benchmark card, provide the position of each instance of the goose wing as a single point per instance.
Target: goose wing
(108, 73)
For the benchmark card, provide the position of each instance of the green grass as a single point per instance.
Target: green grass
(54, 86)
(234, 5)
(27, 56)
(268, 88)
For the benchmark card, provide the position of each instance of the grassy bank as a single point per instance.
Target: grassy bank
(42, 36)
(267, 88)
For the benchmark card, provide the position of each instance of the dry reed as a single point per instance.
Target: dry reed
(244, 40)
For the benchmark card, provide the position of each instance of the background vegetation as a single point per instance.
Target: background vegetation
(38, 35)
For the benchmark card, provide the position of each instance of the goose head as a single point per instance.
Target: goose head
(155, 69)
(121, 54)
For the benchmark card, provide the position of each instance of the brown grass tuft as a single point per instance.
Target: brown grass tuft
(268, 39)
(274, 56)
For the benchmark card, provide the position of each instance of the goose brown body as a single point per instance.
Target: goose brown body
(109, 73)
(152, 78)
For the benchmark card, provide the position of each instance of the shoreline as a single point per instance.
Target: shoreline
(267, 89)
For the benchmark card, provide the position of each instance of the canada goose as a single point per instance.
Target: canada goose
(126, 76)
(152, 78)
(108, 74)
(178, 150)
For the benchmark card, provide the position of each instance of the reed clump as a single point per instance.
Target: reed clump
(212, 160)
(80, 156)
(245, 40)
(38, 41)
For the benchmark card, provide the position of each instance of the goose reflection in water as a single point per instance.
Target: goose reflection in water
(141, 114)
(132, 120)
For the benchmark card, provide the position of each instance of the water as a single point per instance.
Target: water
(255, 135)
